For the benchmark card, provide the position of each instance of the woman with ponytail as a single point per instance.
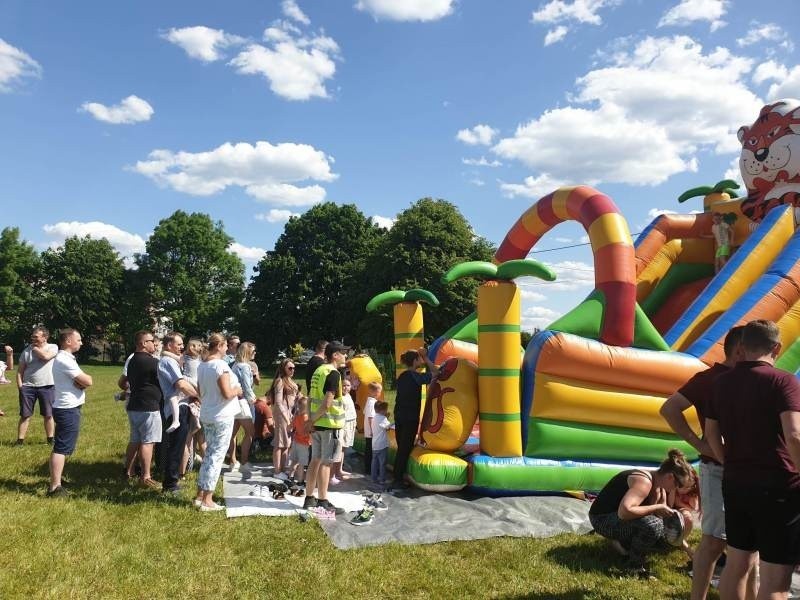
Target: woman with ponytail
(632, 508)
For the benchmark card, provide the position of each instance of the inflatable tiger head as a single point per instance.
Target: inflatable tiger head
(770, 159)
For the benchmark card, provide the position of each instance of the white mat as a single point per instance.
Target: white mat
(250, 497)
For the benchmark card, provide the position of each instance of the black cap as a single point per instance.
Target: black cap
(335, 347)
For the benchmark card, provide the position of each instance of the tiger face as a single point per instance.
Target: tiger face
(770, 159)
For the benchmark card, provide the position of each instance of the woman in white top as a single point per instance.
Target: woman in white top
(244, 373)
(219, 393)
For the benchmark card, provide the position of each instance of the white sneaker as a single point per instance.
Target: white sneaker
(234, 466)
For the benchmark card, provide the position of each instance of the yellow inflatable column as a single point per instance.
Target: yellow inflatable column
(409, 332)
(499, 368)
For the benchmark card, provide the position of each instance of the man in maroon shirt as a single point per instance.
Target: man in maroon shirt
(698, 392)
(756, 409)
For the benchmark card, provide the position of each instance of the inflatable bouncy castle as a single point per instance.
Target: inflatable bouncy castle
(582, 401)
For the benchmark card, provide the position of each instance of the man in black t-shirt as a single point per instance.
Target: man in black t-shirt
(407, 408)
(315, 362)
(144, 407)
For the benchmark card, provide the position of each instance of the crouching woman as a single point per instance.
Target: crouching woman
(631, 508)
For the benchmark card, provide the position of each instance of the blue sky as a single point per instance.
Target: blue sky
(115, 114)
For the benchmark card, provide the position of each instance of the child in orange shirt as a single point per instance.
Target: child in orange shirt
(301, 440)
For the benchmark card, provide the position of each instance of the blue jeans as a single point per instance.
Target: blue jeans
(218, 438)
(379, 458)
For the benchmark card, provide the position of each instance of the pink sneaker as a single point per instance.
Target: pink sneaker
(334, 481)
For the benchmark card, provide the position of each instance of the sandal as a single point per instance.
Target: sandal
(278, 495)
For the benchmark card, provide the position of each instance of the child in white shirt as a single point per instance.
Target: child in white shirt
(375, 390)
(380, 442)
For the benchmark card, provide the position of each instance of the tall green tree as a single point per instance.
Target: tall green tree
(311, 285)
(427, 239)
(20, 271)
(80, 286)
(189, 275)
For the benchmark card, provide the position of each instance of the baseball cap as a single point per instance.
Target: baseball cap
(335, 347)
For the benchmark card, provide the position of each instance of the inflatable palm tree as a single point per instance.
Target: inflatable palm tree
(409, 332)
(499, 349)
(721, 192)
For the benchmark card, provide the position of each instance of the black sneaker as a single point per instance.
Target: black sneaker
(310, 502)
(19, 442)
(376, 503)
(362, 518)
(638, 569)
(59, 492)
(328, 506)
(50, 441)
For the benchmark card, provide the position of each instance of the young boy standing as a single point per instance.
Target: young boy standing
(380, 442)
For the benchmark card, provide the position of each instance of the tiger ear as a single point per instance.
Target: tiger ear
(742, 133)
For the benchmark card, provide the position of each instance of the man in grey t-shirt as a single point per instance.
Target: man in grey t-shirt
(35, 382)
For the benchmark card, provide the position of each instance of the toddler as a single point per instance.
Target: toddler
(374, 390)
(301, 440)
(380, 442)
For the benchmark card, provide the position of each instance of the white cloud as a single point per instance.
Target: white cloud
(202, 43)
(478, 135)
(247, 253)
(477, 181)
(735, 173)
(385, 222)
(688, 11)
(15, 65)
(530, 295)
(788, 88)
(769, 70)
(766, 32)
(564, 11)
(556, 35)
(296, 66)
(406, 10)
(130, 110)
(276, 215)
(531, 187)
(570, 275)
(537, 317)
(653, 108)
(564, 240)
(582, 11)
(293, 11)
(267, 172)
(124, 242)
(481, 162)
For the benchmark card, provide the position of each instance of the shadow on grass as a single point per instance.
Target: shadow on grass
(97, 481)
(576, 594)
(597, 557)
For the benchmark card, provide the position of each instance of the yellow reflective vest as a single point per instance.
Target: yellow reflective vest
(334, 416)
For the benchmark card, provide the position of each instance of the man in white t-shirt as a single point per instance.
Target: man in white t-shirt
(35, 383)
(70, 385)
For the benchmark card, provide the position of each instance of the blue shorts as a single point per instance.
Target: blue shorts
(68, 424)
(28, 395)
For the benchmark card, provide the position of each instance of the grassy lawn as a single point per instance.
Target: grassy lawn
(110, 540)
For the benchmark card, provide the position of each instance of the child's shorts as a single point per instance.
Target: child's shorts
(298, 454)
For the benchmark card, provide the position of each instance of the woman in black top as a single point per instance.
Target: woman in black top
(631, 507)
(407, 408)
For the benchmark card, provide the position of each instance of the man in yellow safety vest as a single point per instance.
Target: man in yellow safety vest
(325, 420)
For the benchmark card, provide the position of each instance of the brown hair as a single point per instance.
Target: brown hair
(65, 334)
(280, 374)
(677, 465)
(733, 339)
(215, 340)
(375, 386)
(760, 337)
(408, 358)
(381, 407)
(137, 337)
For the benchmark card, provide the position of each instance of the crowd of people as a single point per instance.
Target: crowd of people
(191, 401)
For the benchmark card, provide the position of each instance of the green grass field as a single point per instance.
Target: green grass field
(110, 540)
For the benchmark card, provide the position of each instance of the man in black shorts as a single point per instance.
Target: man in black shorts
(756, 409)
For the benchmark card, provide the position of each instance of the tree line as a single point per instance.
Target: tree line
(315, 283)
